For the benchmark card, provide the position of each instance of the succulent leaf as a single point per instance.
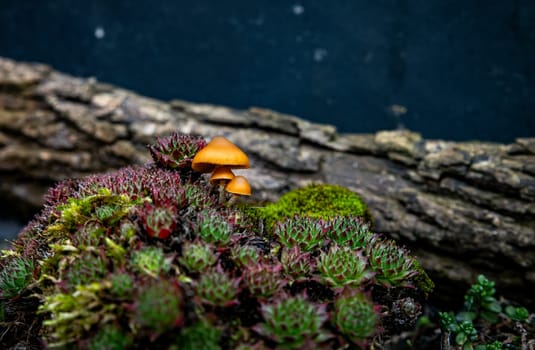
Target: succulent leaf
(293, 322)
(355, 316)
(343, 266)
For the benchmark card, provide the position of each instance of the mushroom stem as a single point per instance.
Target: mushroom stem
(233, 199)
(221, 188)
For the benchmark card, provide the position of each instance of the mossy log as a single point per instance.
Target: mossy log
(463, 208)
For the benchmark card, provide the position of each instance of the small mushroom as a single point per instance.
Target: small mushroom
(219, 151)
(221, 176)
(238, 186)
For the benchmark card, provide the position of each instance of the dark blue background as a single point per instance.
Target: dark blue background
(464, 69)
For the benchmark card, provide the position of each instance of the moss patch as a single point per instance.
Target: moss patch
(320, 201)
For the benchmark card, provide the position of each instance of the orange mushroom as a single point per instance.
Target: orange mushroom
(221, 176)
(219, 151)
(238, 186)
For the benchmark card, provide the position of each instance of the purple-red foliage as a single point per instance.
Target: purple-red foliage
(158, 221)
(176, 151)
(263, 279)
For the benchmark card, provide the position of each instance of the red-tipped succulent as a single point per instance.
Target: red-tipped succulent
(215, 287)
(158, 221)
(263, 279)
(176, 151)
(296, 264)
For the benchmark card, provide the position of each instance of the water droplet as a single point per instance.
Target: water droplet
(319, 54)
(99, 32)
(298, 9)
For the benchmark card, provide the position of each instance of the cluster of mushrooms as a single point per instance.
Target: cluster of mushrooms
(219, 157)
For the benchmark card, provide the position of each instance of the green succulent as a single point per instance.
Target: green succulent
(198, 256)
(293, 322)
(176, 150)
(263, 279)
(216, 288)
(480, 298)
(158, 307)
(122, 285)
(110, 338)
(200, 335)
(520, 313)
(85, 269)
(393, 265)
(343, 266)
(305, 232)
(197, 198)
(150, 260)
(463, 330)
(355, 316)
(296, 264)
(482, 310)
(213, 228)
(15, 276)
(244, 255)
(350, 231)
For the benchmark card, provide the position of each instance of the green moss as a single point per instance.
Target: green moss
(321, 201)
(422, 280)
(103, 208)
(71, 315)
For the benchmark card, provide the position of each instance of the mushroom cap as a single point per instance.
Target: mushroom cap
(239, 185)
(219, 151)
(222, 172)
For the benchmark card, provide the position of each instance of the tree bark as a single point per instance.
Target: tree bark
(463, 208)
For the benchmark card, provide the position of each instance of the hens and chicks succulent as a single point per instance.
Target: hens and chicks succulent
(154, 255)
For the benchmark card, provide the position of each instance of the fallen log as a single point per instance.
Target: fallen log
(463, 208)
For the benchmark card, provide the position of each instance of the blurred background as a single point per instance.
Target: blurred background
(456, 70)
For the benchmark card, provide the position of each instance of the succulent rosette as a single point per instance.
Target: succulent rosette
(343, 266)
(215, 287)
(293, 322)
(158, 221)
(394, 265)
(355, 316)
(176, 150)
